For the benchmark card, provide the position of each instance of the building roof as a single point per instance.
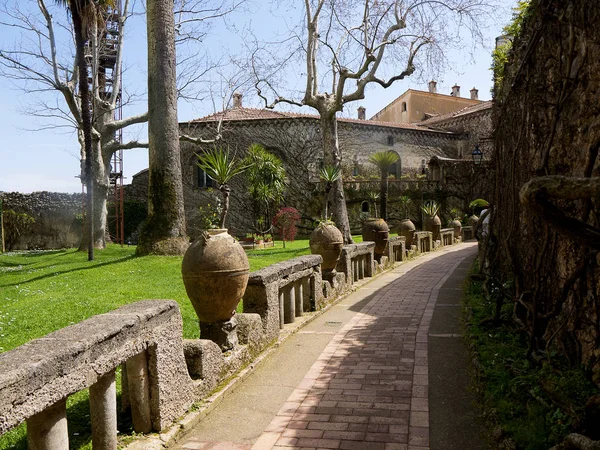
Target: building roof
(483, 106)
(250, 114)
(425, 93)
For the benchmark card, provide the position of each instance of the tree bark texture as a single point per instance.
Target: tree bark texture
(333, 157)
(383, 193)
(86, 119)
(544, 225)
(164, 231)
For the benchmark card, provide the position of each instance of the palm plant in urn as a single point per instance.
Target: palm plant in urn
(326, 239)
(215, 268)
(432, 221)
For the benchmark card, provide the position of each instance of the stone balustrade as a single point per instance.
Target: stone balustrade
(396, 249)
(467, 234)
(37, 377)
(281, 292)
(447, 236)
(423, 241)
(162, 374)
(356, 261)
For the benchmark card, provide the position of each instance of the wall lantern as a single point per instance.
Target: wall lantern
(477, 155)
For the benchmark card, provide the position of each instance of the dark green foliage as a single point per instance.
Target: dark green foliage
(134, 213)
(535, 403)
(15, 224)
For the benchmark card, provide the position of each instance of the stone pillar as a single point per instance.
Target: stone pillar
(289, 304)
(224, 334)
(103, 412)
(281, 309)
(299, 295)
(139, 392)
(369, 264)
(354, 269)
(47, 430)
(307, 293)
(125, 404)
(361, 266)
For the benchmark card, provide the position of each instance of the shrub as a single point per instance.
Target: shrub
(285, 220)
(15, 224)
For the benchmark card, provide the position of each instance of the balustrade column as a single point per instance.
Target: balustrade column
(48, 430)
(281, 309)
(307, 292)
(361, 267)
(139, 392)
(289, 304)
(299, 295)
(103, 412)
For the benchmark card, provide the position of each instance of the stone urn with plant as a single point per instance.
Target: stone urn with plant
(406, 227)
(478, 203)
(326, 239)
(215, 268)
(455, 222)
(431, 220)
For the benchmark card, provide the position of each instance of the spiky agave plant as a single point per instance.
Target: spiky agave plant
(430, 208)
(405, 202)
(221, 167)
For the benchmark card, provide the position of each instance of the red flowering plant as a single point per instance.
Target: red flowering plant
(285, 220)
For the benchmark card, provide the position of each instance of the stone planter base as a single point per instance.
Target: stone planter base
(224, 334)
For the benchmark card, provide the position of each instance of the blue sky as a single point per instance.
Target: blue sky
(48, 159)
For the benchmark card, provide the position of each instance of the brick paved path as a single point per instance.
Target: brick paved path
(369, 388)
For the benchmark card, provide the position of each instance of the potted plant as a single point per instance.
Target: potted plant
(455, 222)
(477, 203)
(326, 239)
(215, 268)
(406, 227)
(432, 221)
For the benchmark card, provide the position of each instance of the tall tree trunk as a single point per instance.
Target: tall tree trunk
(383, 193)
(333, 157)
(164, 232)
(86, 119)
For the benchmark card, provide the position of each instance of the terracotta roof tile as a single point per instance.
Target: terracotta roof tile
(461, 112)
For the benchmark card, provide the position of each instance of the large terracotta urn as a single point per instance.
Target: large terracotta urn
(457, 228)
(472, 221)
(326, 240)
(376, 230)
(407, 229)
(215, 273)
(433, 224)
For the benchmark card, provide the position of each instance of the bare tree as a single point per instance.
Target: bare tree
(44, 62)
(347, 45)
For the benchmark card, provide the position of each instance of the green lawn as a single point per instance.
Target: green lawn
(42, 291)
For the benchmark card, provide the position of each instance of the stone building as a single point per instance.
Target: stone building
(296, 139)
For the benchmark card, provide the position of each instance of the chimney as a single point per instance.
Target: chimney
(362, 112)
(455, 91)
(237, 100)
(433, 87)
(474, 94)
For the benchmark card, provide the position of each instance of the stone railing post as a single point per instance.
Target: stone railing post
(289, 304)
(307, 293)
(299, 296)
(103, 412)
(47, 430)
(139, 392)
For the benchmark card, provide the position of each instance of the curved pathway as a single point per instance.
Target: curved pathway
(367, 389)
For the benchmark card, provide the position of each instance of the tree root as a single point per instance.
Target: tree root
(535, 194)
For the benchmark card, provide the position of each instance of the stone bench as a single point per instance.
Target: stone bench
(356, 261)
(37, 377)
(447, 236)
(423, 241)
(396, 249)
(281, 292)
(467, 234)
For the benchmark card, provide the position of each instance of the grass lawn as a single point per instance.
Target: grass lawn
(42, 291)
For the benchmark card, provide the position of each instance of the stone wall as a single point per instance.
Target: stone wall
(547, 125)
(56, 218)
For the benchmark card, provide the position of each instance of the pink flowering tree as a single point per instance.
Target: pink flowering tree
(285, 220)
